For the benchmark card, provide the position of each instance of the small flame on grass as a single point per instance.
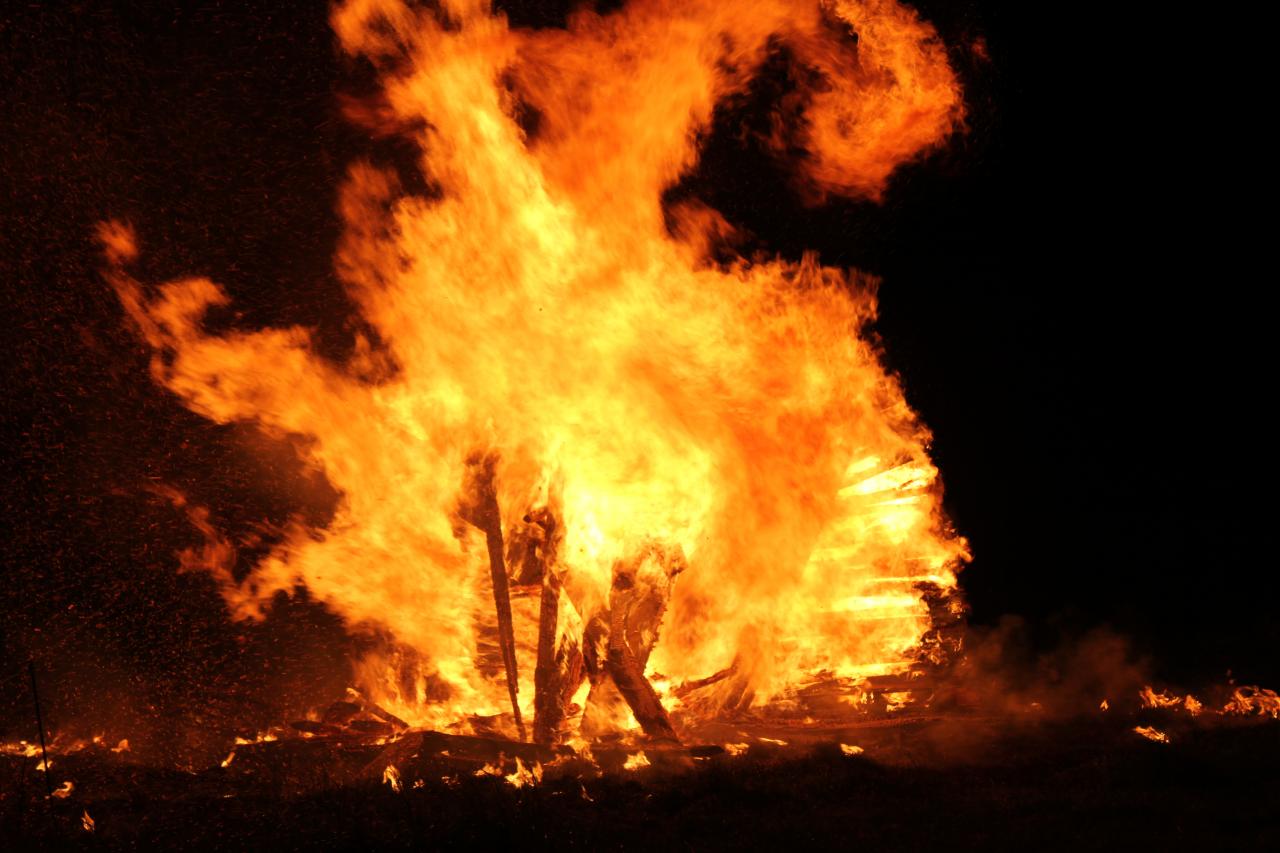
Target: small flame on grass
(1244, 701)
(772, 740)
(736, 749)
(524, 775)
(851, 749)
(122, 746)
(391, 776)
(1253, 700)
(262, 737)
(1151, 699)
(489, 770)
(1104, 706)
(26, 750)
(636, 761)
(1151, 733)
(231, 756)
(86, 821)
(65, 791)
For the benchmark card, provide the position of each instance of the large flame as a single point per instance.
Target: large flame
(542, 307)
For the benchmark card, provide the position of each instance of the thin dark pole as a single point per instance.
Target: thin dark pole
(44, 753)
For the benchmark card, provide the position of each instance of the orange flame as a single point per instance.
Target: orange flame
(543, 307)
(1151, 733)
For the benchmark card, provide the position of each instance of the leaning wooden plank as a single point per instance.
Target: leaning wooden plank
(481, 511)
(533, 548)
(631, 611)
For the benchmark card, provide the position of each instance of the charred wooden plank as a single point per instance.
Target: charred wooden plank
(340, 713)
(431, 746)
(559, 670)
(690, 686)
(627, 674)
(483, 513)
(547, 710)
(624, 667)
(385, 715)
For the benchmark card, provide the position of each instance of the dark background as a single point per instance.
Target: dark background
(1069, 293)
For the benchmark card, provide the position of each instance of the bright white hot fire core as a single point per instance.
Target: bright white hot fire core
(541, 308)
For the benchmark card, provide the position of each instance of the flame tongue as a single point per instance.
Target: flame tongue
(538, 309)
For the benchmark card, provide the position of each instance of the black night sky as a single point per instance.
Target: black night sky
(1067, 293)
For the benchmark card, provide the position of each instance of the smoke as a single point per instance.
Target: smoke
(1002, 670)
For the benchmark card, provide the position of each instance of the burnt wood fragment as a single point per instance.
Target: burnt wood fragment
(637, 602)
(559, 670)
(481, 511)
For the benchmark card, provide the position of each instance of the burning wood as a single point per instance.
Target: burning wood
(559, 670)
(736, 412)
(482, 512)
(374, 710)
(636, 605)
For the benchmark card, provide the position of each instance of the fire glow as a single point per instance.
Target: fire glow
(689, 482)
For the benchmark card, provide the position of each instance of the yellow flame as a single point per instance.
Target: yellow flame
(545, 306)
(1152, 733)
(1253, 700)
(1163, 699)
(490, 770)
(635, 761)
(524, 775)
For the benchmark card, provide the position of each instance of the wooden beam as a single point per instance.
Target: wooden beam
(483, 513)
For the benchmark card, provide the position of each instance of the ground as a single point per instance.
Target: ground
(969, 784)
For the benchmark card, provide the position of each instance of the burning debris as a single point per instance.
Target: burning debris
(353, 716)
(585, 456)
(1151, 733)
(611, 498)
